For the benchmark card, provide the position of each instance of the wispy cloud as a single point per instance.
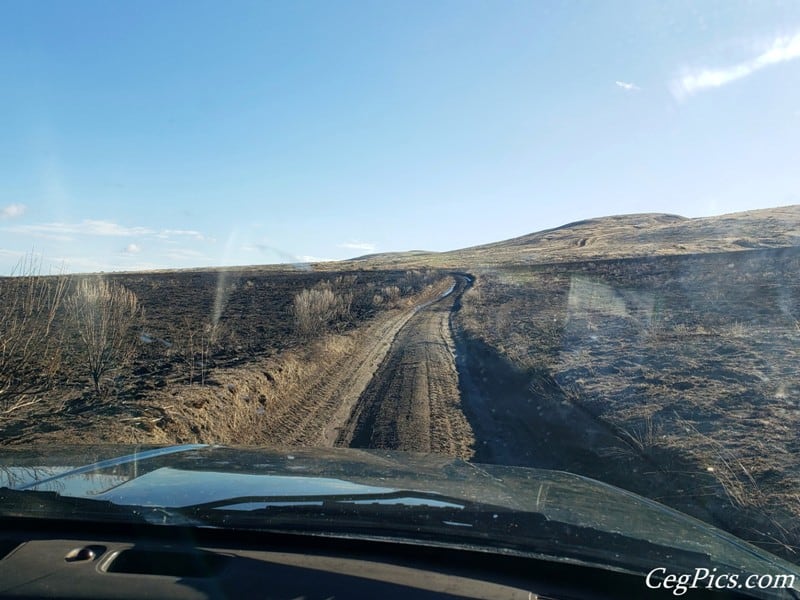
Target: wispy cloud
(12, 211)
(691, 81)
(183, 254)
(132, 249)
(81, 264)
(65, 231)
(266, 248)
(314, 259)
(628, 86)
(282, 256)
(68, 231)
(366, 246)
(11, 253)
(167, 233)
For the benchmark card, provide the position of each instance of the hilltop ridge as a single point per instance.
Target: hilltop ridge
(614, 236)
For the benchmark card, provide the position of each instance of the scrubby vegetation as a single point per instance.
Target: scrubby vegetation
(689, 362)
(103, 315)
(30, 349)
(67, 342)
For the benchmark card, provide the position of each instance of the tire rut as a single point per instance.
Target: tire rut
(313, 419)
(316, 414)
(412, 403)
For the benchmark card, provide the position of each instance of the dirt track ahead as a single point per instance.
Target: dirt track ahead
(412, 402)
(320, 410)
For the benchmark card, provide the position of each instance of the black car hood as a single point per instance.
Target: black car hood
(180, 476)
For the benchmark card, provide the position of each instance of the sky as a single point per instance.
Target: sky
(171, 134)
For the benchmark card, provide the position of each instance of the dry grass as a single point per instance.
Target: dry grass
(623, 236)
(30, 352)
(692, 361)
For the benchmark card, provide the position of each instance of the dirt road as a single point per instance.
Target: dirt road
(412, 402)
(321, 409)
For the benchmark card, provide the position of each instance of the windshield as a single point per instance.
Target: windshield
(560, 236)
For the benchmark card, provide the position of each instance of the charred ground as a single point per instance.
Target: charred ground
(652, 352)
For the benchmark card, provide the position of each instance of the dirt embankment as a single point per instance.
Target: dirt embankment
(413, 403)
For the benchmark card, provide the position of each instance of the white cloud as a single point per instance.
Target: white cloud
(358, 246)
(12, 211)
(314, 259)
(64, 231)
(82, 264)
(68, 231)
(282, 256)
(627, 86)
(184, 254)
(691, 81)
(132, 249)
(108, 228)
(11, 253)
(166, 233)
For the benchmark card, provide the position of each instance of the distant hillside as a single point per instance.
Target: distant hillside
(616, 237)
(392, 255)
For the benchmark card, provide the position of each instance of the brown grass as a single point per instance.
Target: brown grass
(691, 360)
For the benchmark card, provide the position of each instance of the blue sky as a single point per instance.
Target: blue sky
(139, 135)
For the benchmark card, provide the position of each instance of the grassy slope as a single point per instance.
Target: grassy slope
(681, 335)
(611, 237)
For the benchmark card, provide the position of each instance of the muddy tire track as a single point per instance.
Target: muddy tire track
(323, 405)
(312, 421)
(413, 402)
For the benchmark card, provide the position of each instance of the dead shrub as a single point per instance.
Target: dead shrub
(318, 308)
(392, 294)
(30, 352)
(104, 315)
(199, 340)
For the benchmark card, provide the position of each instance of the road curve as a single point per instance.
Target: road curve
(412, 402)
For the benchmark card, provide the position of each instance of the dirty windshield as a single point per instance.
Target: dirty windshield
(539, 234)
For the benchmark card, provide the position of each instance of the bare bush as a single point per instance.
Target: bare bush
(317, 308)
(199, 340)
(345, 281)
(30, 353)
(104, 315)
(392, 294)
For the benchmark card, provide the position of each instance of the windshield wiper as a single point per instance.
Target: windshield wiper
(425, 516)
(348, 513)
(411, 498)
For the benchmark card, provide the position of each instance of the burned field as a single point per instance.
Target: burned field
(218, 319)
(194, 335)
(675, 377)
(252, 310)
